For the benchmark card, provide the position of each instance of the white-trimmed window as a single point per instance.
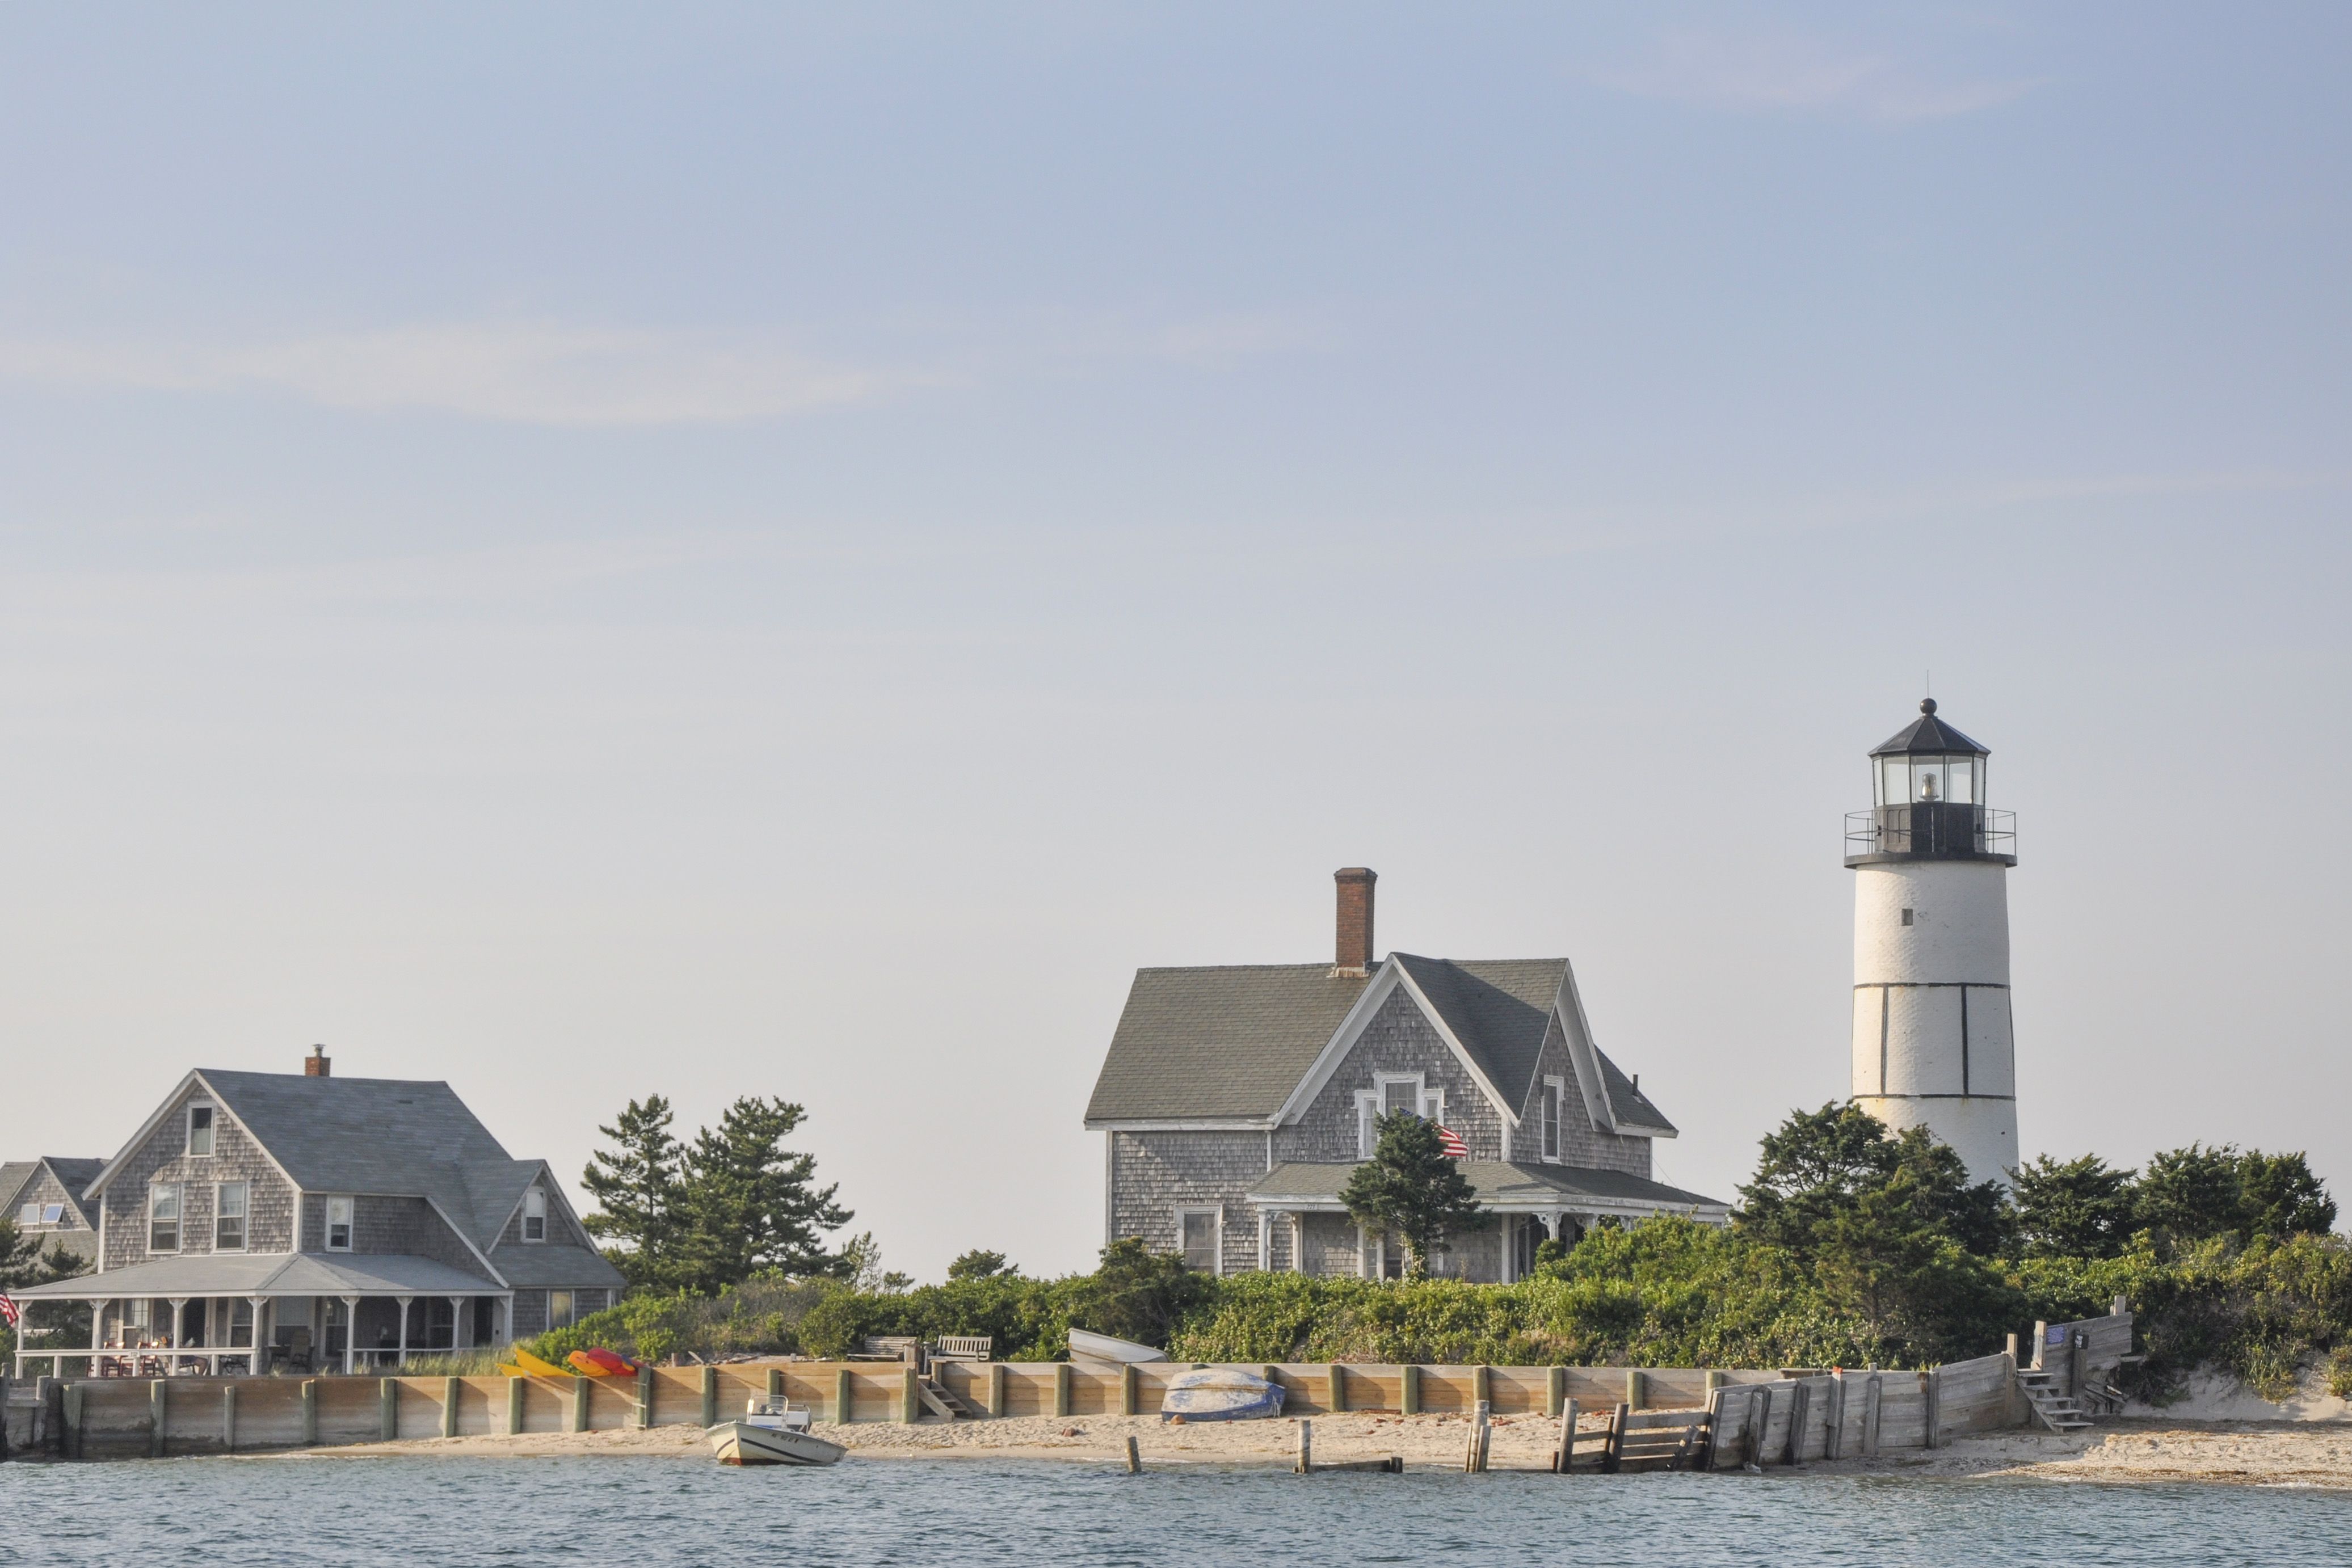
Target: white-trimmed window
(1197, 1238)
(53, 1214)
(29, 1213)
(1393, 1092)
(562, 1308)
(230, 1200)
(534, 1215)
(163, 1217)
(1553, 1093)
(200, 1129)
(339, 1224)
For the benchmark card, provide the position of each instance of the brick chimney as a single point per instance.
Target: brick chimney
(1355, 933)
(317, 1064)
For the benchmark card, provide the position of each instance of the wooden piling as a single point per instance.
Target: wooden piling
(1636, 1388)
(1409, 1390)
(1338, 1397)
(1128, 1378)
(1482, 1384)
(1306, 1464)
(1061, 1388)
(1473, 1459)
(1801, 1403)
(1555, 1388)
(515, 1387)
(1134, 1457)
(996, 1388)
(228, 1418)
(159, 1403)
(1931, 1391)
(1870, 1398)
(578, 1403)
(1563, 1458)
(647, 1384)
(844, 1399)
(910, 1398)
(710, 1397)
(1609, 1461)
(1759, 1418)
(1714, 1379)
(387, 1409)
(310, 1412)
(73, 1405)
(449, 1387)
(775, 1382)
(1833, 1439)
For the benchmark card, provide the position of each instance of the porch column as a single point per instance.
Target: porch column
(403, 1328)
(1264, 1241)
(179, 1328)
(259, 1361)
(350, 1329)
(457, 1324)
(1298, 1243)
(506, 1318)
(97, 1332)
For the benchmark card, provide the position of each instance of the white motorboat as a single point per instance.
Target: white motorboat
(772, 1432)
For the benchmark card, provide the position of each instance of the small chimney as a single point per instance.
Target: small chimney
(317, 1064)
(1355, 933)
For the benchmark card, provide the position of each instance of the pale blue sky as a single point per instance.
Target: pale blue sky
(724, 550)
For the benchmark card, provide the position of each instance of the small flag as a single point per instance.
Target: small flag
(1451, 1142)
(7, 1309)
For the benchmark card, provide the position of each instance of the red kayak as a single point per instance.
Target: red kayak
(602, 1363)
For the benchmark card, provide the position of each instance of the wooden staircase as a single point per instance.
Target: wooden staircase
(942, 1401)
(2059, 1411)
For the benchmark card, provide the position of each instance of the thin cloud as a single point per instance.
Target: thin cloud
(1789, 75)
(525, 373)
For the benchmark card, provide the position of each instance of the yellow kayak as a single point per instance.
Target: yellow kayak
(529, 1365)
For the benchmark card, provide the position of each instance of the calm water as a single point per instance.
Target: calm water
(624, 1512)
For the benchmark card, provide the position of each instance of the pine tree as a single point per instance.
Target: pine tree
(2073, 1209)
(1411, 1187)
(638, 1187)
(749, 1205)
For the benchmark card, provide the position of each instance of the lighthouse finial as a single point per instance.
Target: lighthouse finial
(1927, 705)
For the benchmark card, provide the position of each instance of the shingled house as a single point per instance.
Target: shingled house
(43, 1196)
(357, 1218)
(1237, 1099)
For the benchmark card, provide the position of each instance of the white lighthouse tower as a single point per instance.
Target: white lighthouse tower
(1931, 1022)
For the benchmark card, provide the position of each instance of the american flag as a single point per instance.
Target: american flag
(7, 1309)
(1451, 1142)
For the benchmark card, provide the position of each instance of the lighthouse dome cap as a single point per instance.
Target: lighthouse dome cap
(1928, 734)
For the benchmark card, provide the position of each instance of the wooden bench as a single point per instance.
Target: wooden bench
(908, 1348)
(963, 1347)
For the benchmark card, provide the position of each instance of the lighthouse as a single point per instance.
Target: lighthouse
(1932, 1046)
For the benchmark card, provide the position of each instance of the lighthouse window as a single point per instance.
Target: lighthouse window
(1927, 779)
(1907, 917)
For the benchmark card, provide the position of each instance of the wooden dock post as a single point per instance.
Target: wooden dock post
(710, 1397)
(1833, 1439)
(1409, 1390)
(1482, 1386)
(387, 1412)
(159, 1404)
(514, 1405)
(996, 1388)
(1870, 1398)
(310, 1412)
(1134, 1457)
(1061, 1388)
(1127, 1382)
(228, 1418)
(449, 1407)
(1800, 1406)
(910, 1398)
(73, 1404)
(1609, 1461)
(775, 1382)
(1555, 1388)
(1714, 1379)
(1564, 1456)
(1931, 1388)
(1338, 1397)
(578, 1403)
(1474, 1462)
(1636, 1388)
(1759, 1418)
(1306, 1464)
(645, 1386)
(844, 1399)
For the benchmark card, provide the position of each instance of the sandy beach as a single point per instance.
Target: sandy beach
(2127, 1451)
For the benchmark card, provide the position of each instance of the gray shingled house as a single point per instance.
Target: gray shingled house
(360, 1219)
(43, 1196)
(1236, 1101)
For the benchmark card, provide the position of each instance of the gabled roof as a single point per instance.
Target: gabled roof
(383, 1136)
(73, 1174)
(1926, 733)
(1514, 1185)
(1498, 1009)
(1226, 1042)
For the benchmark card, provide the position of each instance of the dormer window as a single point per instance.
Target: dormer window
(200, 1129)
(534, 1215)
(339, 1224)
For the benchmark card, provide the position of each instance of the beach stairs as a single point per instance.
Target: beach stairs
(944, 1401)
(2059, 1411)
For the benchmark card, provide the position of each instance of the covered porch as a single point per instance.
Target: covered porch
(254, 1315)
(1300, 1216)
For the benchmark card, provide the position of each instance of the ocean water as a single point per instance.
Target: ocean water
(616, 1513)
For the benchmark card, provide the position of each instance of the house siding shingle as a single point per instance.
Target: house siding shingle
(1156, 1173)
(1580, 1143)
(1399, 1039)
(69, 1233)
(269, 1215)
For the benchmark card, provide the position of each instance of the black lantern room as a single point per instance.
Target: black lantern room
(1928, 800)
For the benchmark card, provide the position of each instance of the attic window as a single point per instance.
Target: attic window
(29, 1214)
(53, 1214)
(534, 1215)
(339, 1224)
(1551, 1119)
(200, 1129)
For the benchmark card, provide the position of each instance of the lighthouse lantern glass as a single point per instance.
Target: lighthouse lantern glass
(1905, 780)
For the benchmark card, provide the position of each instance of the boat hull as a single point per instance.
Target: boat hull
(741, 1443)
(1220, 1394)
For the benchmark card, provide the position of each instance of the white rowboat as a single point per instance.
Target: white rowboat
(741, 1443)
(1088, 1346)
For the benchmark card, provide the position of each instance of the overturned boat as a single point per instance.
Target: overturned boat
(1103, 1350)
(1220, 1394)
(772, 1432)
